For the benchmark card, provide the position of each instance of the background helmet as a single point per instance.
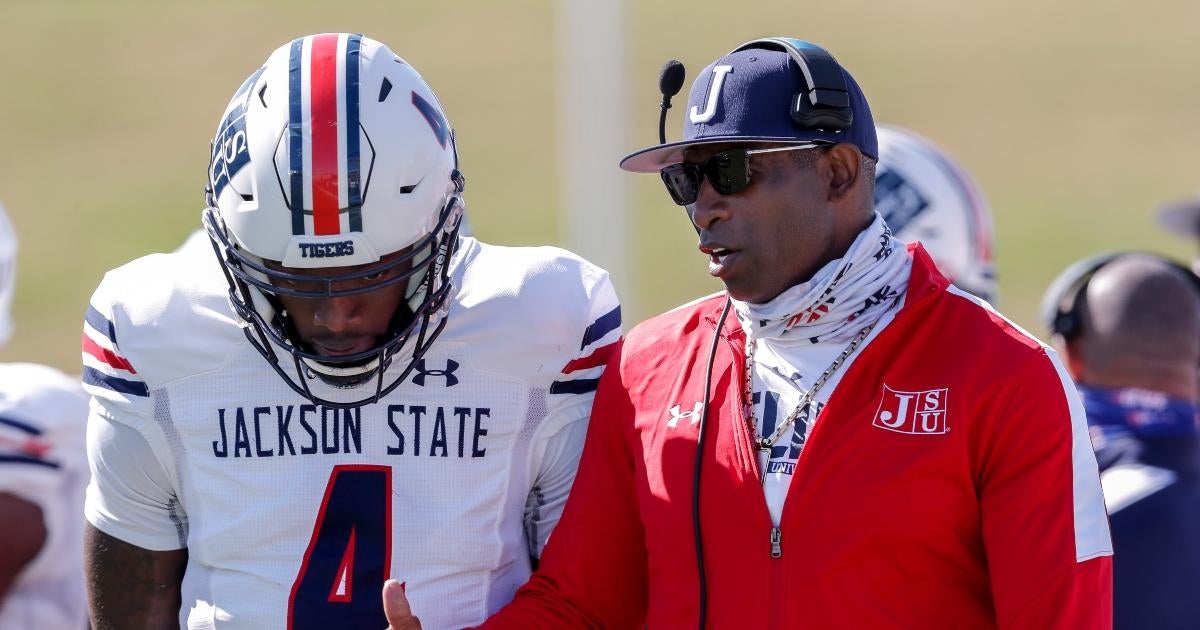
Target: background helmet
(924, 195)
(335, 153)
(8, 274)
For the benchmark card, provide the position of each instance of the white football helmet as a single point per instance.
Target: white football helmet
(335, 153)
(8, 274)
(925, 196)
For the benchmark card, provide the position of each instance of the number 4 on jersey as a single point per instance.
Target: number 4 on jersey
(349, 556)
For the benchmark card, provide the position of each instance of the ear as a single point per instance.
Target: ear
(1070, 350)
(844, 162)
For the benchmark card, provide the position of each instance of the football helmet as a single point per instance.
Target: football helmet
(925, 196)
(8, 274)
(335, 154)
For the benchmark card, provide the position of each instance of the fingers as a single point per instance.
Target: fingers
(396, 609)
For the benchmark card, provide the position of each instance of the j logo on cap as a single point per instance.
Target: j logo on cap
(714, 95)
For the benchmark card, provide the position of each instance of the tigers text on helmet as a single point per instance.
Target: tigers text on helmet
(336, 155)
(924, 195)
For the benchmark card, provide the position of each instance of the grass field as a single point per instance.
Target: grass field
(1077, 118)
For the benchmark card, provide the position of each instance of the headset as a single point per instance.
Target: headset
(825, 101)
(1062, 305)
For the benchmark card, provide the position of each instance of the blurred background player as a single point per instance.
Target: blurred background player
(924, 195)
(43, 472)
(1129, 327)
(1182, 218)
(350, 389)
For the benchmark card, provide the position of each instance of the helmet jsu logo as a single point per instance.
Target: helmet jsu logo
(917, 413)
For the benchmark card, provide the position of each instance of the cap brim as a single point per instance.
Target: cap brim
(654, 159)
(1181, 217)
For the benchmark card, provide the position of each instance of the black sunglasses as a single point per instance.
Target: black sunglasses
(727, 171)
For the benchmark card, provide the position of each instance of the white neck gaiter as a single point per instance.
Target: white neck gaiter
(801, 332)
(842, 297)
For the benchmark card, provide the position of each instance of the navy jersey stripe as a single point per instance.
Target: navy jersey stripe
(296, 136)
(580, 386)
(100, 323)
(92, 376)
(24, 459)
(20, 426)
(603, 325)
(353, 180)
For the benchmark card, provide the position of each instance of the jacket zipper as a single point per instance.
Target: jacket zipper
(776, 562)
(776, 539)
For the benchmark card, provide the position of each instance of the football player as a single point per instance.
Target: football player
(1182, 218)
(43, 471)
(924, 195)
(1128, 326)
(350, 389)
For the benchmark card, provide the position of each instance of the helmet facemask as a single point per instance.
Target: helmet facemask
(254, 290)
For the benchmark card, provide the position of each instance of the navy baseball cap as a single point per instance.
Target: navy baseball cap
(751, 93)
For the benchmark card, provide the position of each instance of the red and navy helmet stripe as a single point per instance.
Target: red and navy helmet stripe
(353, 168)
(296, 137)
(323, 133)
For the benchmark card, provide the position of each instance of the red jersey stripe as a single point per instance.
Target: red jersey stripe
(106, 356)
(597, 358)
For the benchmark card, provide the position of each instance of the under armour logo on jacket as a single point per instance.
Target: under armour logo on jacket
(422, 372)
(677, 414)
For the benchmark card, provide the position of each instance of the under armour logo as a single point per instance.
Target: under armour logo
(451, 379)
(677, 414)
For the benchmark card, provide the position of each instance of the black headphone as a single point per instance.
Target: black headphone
(825, 101)
(1062, 305)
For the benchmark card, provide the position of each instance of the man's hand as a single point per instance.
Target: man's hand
(395, 608)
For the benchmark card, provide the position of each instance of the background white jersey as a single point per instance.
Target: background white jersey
(293, 514)
(42, 460)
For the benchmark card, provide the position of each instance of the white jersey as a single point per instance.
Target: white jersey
(42, 460)
(294, 514)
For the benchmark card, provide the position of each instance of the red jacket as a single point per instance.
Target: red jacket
(948, 483)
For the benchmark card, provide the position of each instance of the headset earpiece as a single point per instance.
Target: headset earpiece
(824, 102)
(1063, 304)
